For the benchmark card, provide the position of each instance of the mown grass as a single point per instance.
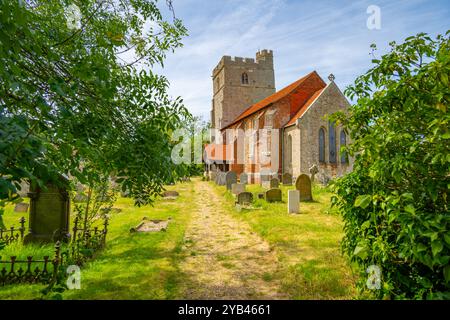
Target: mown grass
(133, 265)
(307, 244)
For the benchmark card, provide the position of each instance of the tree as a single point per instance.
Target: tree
(71, 103)
(395, 201)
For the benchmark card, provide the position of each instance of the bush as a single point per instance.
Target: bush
(395, 202)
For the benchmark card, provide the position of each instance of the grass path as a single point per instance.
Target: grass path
(226, 259)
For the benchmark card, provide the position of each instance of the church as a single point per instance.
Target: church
(264, 132)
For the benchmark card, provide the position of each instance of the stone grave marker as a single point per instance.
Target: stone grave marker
(303, 184)
(265, 184)
(244, 198)
(21, 207)
(170, 195)
(49, 212)
(313, 171)
(286, 179)
(273, 195)
(274, 183)
(237, 188)
(243, 178)
(261, 195)
(148, 225)
(213, 175)
(293, 201)
(230, 178)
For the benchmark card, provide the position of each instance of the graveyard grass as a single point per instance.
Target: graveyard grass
(146, 265)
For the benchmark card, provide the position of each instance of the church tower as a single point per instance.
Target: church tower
(238, 83)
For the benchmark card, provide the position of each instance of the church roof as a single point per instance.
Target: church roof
(266, 102)
(305, 107)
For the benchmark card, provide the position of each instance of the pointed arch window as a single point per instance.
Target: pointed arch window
(343, 143)
(332, 141)
(244, 78)
(321, 145)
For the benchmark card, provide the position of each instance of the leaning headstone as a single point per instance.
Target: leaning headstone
(49, 212)
(313, 171)
(303, 184)
(273, 195)
(286, 179)
(243, 178)
(293, 201)
(21, 207)
(244, 198)
(274, 183)
(230, 178)
(237, 188)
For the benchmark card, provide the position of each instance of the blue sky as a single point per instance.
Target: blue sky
(321, 35)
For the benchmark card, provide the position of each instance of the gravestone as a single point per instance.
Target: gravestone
(244, 198)
(293, 201)
(170, 195)
(274, 183)
(303, 184)
(265, 177)
(237, 188)
(212, 175)
(243, 178)
(221, 181)
(286, 179)
(273, 195)
(230, 178)
(21, 207)
(313, 171)
(148, 225)
(49, 212)
(80, 197)
(24, 189)
(261, 195)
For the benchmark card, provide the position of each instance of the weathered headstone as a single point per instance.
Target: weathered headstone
(244, 198)
(24, 189)
(212, 175)
(170, 194)
(313, 171)
(274, 183)
(237, 188)
(261, 195)
(80, 197)
(287, 179)
(243, 178)
(293, 201)
(49, 212)
(303, 184)
(21, 207)
(221, 181)
(265, 177)
(230, 178)
(273, 195)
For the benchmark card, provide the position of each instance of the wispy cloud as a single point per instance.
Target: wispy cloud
(327, 36)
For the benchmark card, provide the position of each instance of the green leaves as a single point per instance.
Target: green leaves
(363, 201)
(395, 201)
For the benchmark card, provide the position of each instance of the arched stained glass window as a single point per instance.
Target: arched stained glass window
(321, 145)
(343, 140)
(332, 141)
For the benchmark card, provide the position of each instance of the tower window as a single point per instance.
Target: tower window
(244, 78)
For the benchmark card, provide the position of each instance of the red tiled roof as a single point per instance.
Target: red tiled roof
(218, 152)
(305, 107)
(273, 98)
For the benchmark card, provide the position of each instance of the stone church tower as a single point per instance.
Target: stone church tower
(238, 83)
